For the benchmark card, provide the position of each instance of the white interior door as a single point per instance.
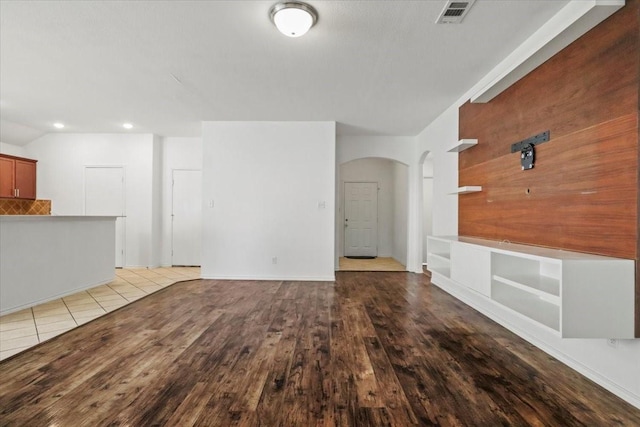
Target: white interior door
(186, 213)
(361, 219)
(104, 195)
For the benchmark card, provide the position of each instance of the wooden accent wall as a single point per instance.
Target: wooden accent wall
(582, 194)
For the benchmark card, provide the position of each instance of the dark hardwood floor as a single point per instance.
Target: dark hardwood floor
(375, 349)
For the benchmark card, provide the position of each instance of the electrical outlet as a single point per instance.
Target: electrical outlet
(612, 342)
(274, 260)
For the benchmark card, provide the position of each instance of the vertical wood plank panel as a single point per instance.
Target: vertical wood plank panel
(638, 180)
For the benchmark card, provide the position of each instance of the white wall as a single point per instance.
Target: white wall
(433, 139)
(62, 159)
(12, 150)
(370, 170)
(177, 154)
(427, 203)
(272, 185)
(400, 211)
(157, 241)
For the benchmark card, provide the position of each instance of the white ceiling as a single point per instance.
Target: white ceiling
(375, 67)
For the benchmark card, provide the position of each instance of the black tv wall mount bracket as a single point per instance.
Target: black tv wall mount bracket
(526, 148)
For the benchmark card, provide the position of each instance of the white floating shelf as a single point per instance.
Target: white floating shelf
(462, 145)
(468, 189)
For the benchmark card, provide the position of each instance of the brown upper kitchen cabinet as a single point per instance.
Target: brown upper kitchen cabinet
(17, 177)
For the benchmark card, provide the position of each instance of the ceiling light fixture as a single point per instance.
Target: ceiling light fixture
(293, 18)
(127, 126)
(58, 125)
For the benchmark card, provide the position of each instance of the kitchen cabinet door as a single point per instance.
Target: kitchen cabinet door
(7, 177)
(25, 179)
(17, 177)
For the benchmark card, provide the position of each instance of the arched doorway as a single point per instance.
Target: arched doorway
(359, 247)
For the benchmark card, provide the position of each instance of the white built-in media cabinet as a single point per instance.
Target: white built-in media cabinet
(574, 295)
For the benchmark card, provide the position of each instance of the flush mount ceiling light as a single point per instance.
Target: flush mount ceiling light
(127, 126)
(58, 125)
(293, 18)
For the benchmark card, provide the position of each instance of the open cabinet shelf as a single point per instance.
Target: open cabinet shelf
(543, 287)
(527, 304)
(576, 295)
(439, 256)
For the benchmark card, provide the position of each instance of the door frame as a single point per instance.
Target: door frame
(173, 170)
(344, 212)
(124, 201)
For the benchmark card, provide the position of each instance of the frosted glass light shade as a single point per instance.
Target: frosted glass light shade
(293, 19)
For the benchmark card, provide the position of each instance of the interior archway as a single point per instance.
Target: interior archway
(391, 179)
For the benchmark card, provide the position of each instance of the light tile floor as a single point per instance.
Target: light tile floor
(28, 327)
(376, 264)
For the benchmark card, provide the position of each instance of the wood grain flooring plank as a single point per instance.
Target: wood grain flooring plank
(117, 376)
(343, 392)
(367, 388)
(236, 348)
(53, 382)
(191, 406)
(502, 375)
(453, 386)
(271, 402)
(373, 349)
(392, 394)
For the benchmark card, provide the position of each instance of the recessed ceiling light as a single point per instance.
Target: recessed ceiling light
(293, 18)
(127, 126)
(58, 125)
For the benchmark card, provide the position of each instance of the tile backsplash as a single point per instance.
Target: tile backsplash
(25, 207)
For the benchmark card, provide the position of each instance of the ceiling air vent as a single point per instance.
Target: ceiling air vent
(454, 12)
